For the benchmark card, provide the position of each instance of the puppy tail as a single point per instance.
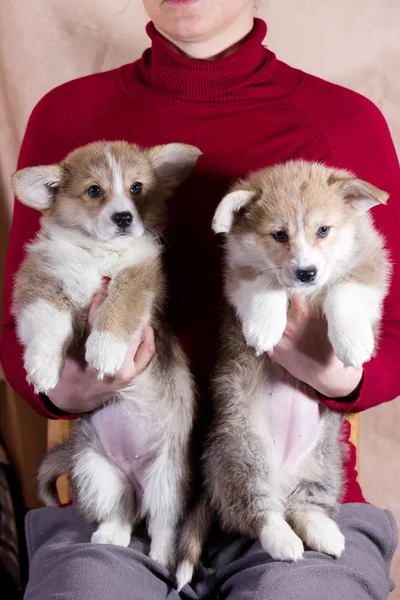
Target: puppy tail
(54, 463)
(192, 539)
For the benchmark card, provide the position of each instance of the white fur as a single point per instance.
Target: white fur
(306, 256)
(160, 501)
(184, 574)
(262, 311)
(81, 262)
(105, 353)
(120, 202)
(45, 333)
(100, 481)
(351, 309)
(114, 531)
(35, 188)
(319, 532)
(279, 540)
(231, 203)
(162, 531)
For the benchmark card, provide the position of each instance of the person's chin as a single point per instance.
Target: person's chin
(181, 4)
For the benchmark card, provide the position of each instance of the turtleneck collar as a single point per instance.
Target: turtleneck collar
(181, 77)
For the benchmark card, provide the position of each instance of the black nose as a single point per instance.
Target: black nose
(306, 275)
(122, 219)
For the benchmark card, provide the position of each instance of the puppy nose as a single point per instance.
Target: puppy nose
(122, 219)
(306, 275)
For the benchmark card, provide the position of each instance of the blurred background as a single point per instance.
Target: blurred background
(355, 43)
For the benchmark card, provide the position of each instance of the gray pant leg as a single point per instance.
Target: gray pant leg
(63, 563)
(361, 573)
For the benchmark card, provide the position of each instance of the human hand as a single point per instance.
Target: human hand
(307, 354)
(79, 390)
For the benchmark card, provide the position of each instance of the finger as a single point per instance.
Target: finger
(138, 357)
(299, 304)
(97, 301)
(145, 351)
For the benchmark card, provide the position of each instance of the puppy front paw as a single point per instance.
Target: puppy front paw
(353, 344)
(43, 370)
(264, 336)
(105, 353)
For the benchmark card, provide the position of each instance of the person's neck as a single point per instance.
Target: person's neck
(218, 46)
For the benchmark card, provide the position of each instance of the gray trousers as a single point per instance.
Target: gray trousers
(64, 565)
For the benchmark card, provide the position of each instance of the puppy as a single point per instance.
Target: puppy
(101, 207)
(273, 461)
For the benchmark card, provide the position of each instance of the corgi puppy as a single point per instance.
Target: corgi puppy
(129, 459)
(273, 461)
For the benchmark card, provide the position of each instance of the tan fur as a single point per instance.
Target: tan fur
(245, 482)
(124, 309)
(89, 165)
(81, 241)
(325, 197)
(33, 281)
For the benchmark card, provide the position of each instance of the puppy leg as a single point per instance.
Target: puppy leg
(278, 538)
(247, 494)
(262, 312)
(115, 531)
(315, 499)
(46, 334)
(319, 532)
(104, 496)
(122, 317)
(351, 309)
(164, 500)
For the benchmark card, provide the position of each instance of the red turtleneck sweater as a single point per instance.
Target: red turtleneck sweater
(245, 111)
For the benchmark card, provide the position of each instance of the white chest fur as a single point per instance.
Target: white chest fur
(81, 263)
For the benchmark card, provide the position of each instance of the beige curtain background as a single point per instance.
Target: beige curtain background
(353, 42)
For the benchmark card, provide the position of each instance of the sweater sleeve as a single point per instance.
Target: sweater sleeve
(359, 140)
(47, 140)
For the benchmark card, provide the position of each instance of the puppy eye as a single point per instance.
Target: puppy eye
(323, 231)
(94, 191)
(280, 236)
(136, 188)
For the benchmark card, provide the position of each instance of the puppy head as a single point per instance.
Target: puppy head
(297, 220)
(107, 190)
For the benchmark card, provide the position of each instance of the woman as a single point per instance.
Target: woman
(209, 81)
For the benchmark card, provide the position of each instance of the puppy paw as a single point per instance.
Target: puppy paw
(353, 344)
(162, 557)
(280, 541)
(43, 370)
(321, 533)
(264, 337)
(161, 547)
(105, 353)
(112, 533)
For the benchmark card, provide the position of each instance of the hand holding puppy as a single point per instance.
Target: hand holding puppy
(307, 354)
(79, 390)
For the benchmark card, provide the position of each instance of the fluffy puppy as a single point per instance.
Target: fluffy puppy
(273, 461)
(101, 209)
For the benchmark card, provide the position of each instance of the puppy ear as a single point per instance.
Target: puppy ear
(360, 194)
(226, 209)
(36, 186)
(173, 163)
